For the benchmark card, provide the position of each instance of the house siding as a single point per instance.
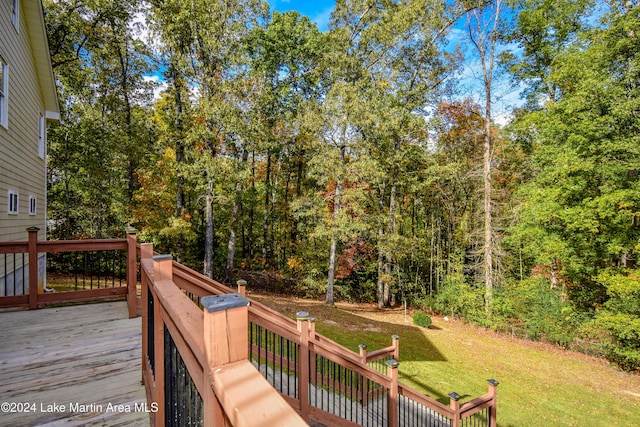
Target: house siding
(21, 168)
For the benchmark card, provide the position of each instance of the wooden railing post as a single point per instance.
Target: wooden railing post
(454, 403)
(363, 353)
(395, 342)
(162, 270)
(493, 391)
(392, 372)
(162, 267)
(302, 319)
(242, 287)
(226, 321)
(313, 370)
(363, 379)
(132, 269)
(33, 267)
(146, 252)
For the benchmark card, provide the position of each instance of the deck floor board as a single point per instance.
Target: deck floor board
(72, 356)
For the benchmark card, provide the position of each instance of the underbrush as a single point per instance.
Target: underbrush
(533, 310)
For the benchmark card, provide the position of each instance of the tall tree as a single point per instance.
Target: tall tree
(483, 29)
(99, 64)
(204, 41)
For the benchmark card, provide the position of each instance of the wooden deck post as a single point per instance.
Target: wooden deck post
(395, 341)
(241, 396)
(363, 379)
(302, 319)
(242, 287)
(33, 267)
(162, 270)
(454, 403)
(162, 267)
(132, 270)
(313, 370)
(226, 321)
(392, 372)
(493, 391)
(146, 250)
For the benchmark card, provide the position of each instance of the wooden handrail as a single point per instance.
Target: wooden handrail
(425, 401)
(33, 247)
(249, 399)
(14, 247)
(81, 245)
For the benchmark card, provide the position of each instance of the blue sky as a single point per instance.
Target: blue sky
(319, 11)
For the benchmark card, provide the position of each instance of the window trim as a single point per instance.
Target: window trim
(15, 14)
(41, 135)
(13, 207)
(33, 205)
(4, 93)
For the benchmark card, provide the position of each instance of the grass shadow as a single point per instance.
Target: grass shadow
(352, 328)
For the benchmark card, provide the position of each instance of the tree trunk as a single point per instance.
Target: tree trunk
(334, 244)
(231, 246)
(487, 53)
(391, 229)
(267, 211)
(334, 240)
(208, 240)
(235, 215)
(381, 284)
(488, 232)
(178, 143)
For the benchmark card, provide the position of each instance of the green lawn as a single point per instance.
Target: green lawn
(540, 385)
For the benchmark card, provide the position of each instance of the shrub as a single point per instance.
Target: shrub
(620, 317)
(457, 297)
(421, 318)
(541, 311)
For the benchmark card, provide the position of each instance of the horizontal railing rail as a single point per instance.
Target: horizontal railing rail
(91, 269)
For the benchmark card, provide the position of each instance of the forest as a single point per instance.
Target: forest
(377, 160)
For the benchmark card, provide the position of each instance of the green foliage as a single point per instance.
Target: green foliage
(421, 318)
(620, 317)
(458, 298)
(540, 310)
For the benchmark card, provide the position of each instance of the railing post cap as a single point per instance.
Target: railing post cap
(131, 230)
(493, 382)
(214, 303)
(162, 257)
(395, 337)
(302, 315)
(241, 282)
(362, 346)
(33, 229)
(455, 396)
(393, 363)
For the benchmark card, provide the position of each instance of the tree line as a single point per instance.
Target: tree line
(354, 162)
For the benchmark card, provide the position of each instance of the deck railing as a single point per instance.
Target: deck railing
(321, 380)
(203, 365)
(195, 364)
(89, 270)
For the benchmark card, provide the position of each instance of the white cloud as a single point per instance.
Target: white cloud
(158, 85)
(322, 19)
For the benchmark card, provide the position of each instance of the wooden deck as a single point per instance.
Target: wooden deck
(72, 366)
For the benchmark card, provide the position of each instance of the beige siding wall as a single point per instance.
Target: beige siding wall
(21, 169)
